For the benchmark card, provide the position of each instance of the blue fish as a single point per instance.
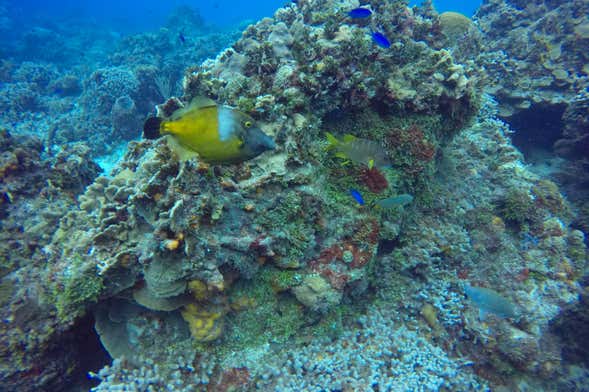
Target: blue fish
(490, 301)
(360, 13)
(182, 38)
(357, 196)
(395, 201)
(381, 40)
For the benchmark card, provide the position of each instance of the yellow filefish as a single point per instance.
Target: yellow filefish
(218, 133)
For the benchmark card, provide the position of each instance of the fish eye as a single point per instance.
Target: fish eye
(247, 124)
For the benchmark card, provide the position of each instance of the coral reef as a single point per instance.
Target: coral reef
(533, 52)
(328, 64)
(30, 182)
(476, 244)
(267, 274)
(538, 72)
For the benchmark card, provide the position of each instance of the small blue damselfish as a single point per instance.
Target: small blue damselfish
(381, 40)
(357, 196)
(360, 13)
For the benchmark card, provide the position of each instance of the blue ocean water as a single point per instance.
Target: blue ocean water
(136, 16)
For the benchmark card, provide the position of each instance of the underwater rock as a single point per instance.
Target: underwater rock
(73, 168)
(317, 294)
(575, 141)
(126, 120)
(32, 180)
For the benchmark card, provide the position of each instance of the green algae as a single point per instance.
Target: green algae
(76, 291)
(7, 290)
(517, 207)
(547, 195)
(270, 317)
(290, 220)
(280, 280)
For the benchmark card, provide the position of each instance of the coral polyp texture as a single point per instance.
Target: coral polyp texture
(306, 267)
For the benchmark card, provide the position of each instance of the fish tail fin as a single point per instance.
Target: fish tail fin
(152, 128)
(332, 140)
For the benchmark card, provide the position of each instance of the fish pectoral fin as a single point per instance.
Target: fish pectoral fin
(183, 153)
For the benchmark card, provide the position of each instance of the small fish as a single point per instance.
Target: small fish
(357, 196)
(358, 150)
(218, 133)
(489, 301)
(395, 201)
(380, 40)
(182, 38)
(360, 13)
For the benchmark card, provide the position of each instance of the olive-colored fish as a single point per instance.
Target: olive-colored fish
(358, 150)
(218, 133)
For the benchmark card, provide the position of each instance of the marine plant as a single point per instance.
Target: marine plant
(517, 206)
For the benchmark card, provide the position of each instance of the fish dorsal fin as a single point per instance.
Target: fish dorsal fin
(349, 138)
(195, 104)
(201, 102)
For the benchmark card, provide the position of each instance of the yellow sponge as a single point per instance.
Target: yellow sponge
(205, 325)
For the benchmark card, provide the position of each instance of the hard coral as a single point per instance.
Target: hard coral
(317, 294)
(454, 25)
